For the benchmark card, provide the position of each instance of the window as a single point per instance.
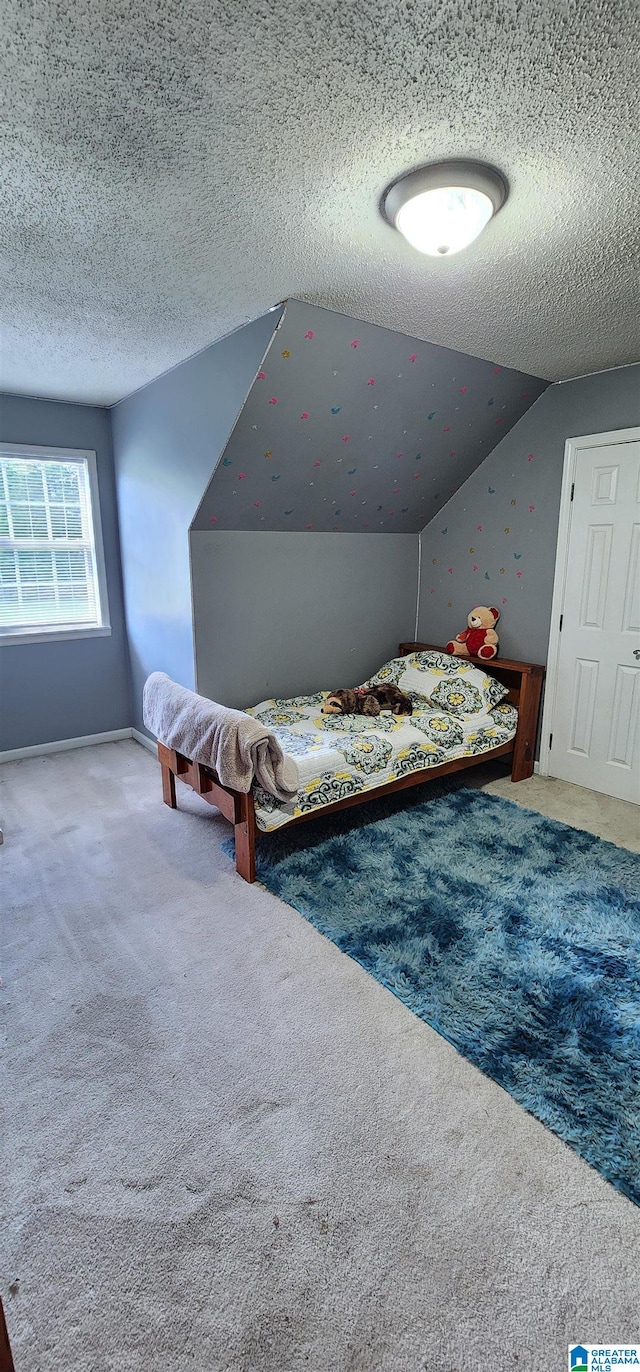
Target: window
(52, 582)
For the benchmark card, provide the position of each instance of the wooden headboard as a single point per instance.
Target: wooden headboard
(524, 680)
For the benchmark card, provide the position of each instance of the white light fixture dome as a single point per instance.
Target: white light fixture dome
(441, 209)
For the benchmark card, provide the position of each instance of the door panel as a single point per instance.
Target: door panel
(596, 728)
(596, 575)
(584, 704)
(624, 717)
(631, 612)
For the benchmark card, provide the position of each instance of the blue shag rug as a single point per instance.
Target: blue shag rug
(515, 937)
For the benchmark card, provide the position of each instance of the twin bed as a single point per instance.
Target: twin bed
(465, 711)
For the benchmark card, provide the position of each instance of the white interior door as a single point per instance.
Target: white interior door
(595, 687)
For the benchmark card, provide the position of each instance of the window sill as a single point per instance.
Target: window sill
(36, 635)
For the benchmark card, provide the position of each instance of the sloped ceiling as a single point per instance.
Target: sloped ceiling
(173, 170)
(352, 428)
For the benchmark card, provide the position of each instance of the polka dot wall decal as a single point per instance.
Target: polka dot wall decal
(308, 526)
(472, 550)
(499, 419)
(433, 590)
(335, 409)
(529, 457)
(353, 492)
(261, 376)
(309, 333)
(316, 464)
(351, 471)
(434, 560)
(531, 509)
(418, 457)
(479, 527)
(305, 414)
(214, 519)
(502, 571)
(337, 512)
(396, 490)
(517, 556)
(487, 577)
(242, 476)
(254, 426)
(463, 390)
(226, 461)
(355, 342)
(504, 600)
(416, 476)
(496, 371)
(447, 429)
(268, 453)
(273, 400)
(518, 574)
(286, 353)
(513, 502)
(524, 395)
(405, 509)
(432, 415)
(450, 571)
(378, 508)
(371, 381)
(491, 490)
(288, 512)
(445, 530)
(257, 504)
(345, 438)
(475, 567)
(507, 529)
(449, 604)
(490, 402)
(276, 476)
(414, 357)
(452, 453)
(335, 528)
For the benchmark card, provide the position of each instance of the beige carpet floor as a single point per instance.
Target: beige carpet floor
(227, 1147)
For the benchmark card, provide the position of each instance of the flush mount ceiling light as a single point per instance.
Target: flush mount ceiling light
(441, 209)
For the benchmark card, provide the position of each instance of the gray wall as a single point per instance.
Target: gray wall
(51, 691)
(167, 439)
(495, 541)
(350, 428)
(282, 614)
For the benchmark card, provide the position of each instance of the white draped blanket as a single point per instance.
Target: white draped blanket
(240, 749)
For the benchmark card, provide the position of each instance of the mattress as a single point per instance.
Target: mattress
(345, 755)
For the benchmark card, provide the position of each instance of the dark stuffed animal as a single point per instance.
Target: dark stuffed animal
(368, 700)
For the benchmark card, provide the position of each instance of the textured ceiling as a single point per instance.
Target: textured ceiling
(174, 169)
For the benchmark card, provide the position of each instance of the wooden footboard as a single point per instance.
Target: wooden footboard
(524, 681)
(237, 807)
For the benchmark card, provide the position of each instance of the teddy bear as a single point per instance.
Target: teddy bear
(480, 639)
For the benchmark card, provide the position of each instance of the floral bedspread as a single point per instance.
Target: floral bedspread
(343, 755)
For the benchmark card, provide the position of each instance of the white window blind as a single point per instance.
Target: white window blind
(48, 567)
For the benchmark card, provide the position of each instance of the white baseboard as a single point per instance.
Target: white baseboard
(62, 745)
(146, 742)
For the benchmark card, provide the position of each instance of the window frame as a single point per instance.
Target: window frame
(58, 633)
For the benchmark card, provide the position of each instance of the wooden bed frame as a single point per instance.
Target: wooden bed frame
(524, 680)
